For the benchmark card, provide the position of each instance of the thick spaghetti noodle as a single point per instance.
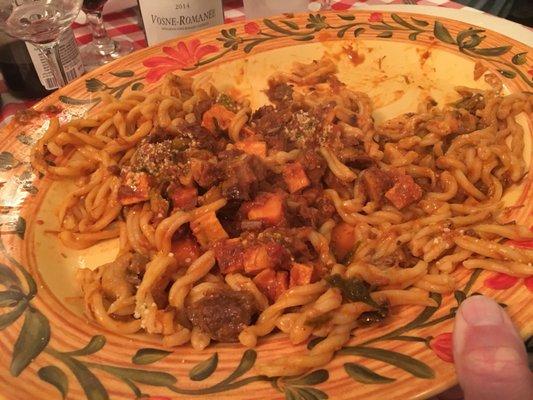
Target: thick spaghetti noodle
(302, 216)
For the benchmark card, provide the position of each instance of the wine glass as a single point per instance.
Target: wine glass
(40, 22)
(102, 49)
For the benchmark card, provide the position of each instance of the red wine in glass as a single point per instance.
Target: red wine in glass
(102, 49)
(93, 5)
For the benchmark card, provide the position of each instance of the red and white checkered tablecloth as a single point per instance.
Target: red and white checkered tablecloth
(125, 25)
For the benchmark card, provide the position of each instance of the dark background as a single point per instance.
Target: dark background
(520, 11)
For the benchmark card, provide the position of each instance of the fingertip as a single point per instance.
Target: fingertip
(481, 310)
(490, 358)
(475, 311)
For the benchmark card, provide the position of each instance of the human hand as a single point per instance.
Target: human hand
(489, 355)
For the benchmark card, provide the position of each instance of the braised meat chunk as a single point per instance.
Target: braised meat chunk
(269, 121)
(229, 254)
(134, 188)
(120, 276)
(241, 176)
(223, 314)
(314, 164)
(404, 192)
(279, 92)
(205, 173)
(182, 197)
(376, 182)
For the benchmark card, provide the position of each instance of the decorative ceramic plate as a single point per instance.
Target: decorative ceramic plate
(50, 350)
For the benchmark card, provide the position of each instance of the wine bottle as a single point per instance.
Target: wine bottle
(26, 72)
(167, 19)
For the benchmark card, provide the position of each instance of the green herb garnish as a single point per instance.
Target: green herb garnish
(352, 289)
(227, 102)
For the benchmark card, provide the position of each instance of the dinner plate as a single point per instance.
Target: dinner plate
(50, 350)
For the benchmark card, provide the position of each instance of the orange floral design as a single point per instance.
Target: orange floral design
(342, 5)
(183, 56)
(375, 17)
(442, 346)
(501, 281)
(252, 28)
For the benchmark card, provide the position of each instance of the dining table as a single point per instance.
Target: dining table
(123, 22)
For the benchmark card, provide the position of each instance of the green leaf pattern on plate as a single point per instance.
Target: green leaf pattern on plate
(95, 344)
(9, 317)
(407, 363)
(7, 161)
(33, 338)
(363, 374)
(127, 73)
(55, 377)
(8, 278)
(442, 33)
(519, 59)
(148, 356)
(204, 369)
(10, 298)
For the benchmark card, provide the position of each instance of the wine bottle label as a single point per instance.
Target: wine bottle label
(167, 19)
(69, 61)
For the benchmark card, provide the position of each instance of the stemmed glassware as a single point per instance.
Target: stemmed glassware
(40, 22)
(102, 49)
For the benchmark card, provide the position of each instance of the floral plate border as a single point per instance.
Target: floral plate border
(26, 330)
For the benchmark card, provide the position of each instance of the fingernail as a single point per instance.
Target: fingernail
(481, 311)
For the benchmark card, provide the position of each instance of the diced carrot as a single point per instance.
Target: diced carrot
(282, 283)
(267, 208)
(256, 259)
(280, 257)
(271, 283)
(183, 198)
(396, 175)
(254, 147)
(186, 251)
(295, 177)
(301, 274)
(229, 255)
(266, 283)
(134, 188)
(222, 115)
(265, 256)
(342, 240)
(207, 229)
(404, 192)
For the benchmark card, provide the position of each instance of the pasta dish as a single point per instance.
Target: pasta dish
(302, 216)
